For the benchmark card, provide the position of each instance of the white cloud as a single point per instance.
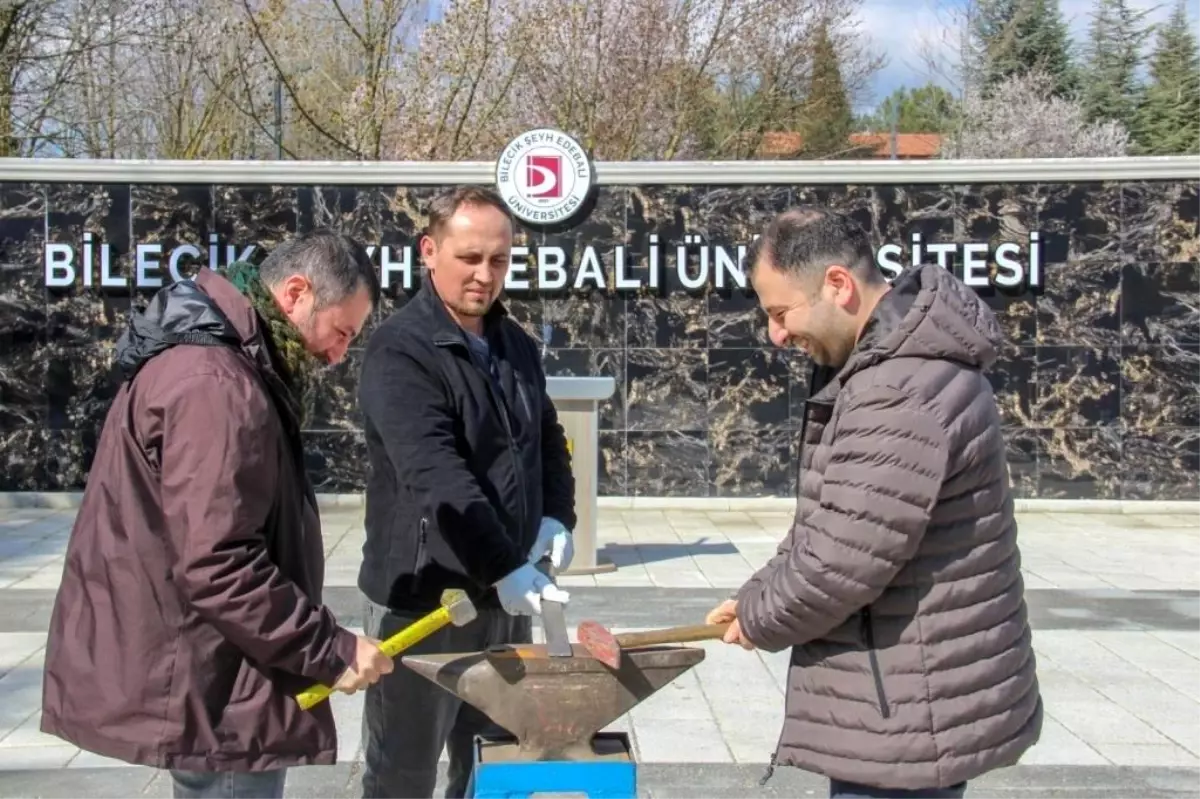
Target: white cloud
(1078, 14)
(909, 32)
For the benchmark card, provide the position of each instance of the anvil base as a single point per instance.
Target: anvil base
(500, 772)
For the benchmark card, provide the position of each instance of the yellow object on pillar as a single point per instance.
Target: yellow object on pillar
(570, 447)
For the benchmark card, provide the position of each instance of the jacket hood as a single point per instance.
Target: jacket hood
(931, 314)
(206, 310)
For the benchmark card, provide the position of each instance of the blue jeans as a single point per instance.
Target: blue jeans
(228, 784)
(839, 789)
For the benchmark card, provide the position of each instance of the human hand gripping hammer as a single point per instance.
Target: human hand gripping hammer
(456, 609)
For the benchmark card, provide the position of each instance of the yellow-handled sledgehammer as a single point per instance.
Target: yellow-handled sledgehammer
(456, 609)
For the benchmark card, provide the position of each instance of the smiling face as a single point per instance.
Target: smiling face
(815, 275)
(468, 259)
(327, 331)
(818, 319)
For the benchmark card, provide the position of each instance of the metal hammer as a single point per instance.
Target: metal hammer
(456, 609)
(554, 623)
(605, 647)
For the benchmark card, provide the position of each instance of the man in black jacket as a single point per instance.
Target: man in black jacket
(470, 486)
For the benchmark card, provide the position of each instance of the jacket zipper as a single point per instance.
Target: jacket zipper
(512, 449)
(502, 406)
(869, 635)
(497, 396)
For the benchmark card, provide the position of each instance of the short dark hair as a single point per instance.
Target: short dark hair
(805, 240)
(446, 204)
(336, 264)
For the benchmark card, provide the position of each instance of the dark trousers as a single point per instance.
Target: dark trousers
(839, 789)
(228, 784)
(407, 719)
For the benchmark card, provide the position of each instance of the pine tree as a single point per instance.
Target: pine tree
(828, 120)
(990, 26)
(1016, 36)
(1168, 119)
(1113, 56)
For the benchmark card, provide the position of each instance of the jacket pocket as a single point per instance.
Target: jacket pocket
(524, 397)
(876, 674)
(420, 557)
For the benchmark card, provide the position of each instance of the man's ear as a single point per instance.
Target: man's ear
(291, 290)
(842, 284)
(428, 247)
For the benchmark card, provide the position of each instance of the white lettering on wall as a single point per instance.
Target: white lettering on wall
(689, 265)
(59, 269)
(980, 264)
(551, 260)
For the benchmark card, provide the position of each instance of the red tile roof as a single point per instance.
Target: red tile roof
(784, 144)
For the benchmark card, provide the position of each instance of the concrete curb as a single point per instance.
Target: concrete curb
(55, 500)
(68, 500)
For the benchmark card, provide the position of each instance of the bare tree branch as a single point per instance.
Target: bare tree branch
(289, 86)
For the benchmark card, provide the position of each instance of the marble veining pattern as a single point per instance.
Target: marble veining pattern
(1098, 383)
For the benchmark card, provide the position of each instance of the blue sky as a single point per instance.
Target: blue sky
(905, 29)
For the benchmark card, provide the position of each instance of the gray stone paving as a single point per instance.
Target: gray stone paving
(1114, 602)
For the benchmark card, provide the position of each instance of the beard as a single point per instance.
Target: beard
(471, 307)
(307, 328)
(832, 354)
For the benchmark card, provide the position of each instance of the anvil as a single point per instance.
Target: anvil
(553, 705)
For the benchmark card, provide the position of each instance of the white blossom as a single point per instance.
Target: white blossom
(1021, 118)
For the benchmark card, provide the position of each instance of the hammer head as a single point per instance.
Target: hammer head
(599, 643)
(459, 606)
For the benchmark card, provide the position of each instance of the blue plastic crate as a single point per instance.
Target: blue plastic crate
(595, 779)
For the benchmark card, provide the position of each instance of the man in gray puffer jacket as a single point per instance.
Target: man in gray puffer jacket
(898, 587)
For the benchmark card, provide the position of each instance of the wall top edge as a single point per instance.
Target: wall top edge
(613, 173)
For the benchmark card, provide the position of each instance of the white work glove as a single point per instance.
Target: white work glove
(555, 540)
(521, 591)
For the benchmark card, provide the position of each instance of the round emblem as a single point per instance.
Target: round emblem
(544, 176)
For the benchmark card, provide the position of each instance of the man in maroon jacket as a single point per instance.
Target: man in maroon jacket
(190, 611)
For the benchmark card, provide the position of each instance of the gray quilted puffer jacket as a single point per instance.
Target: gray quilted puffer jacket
(899, 587)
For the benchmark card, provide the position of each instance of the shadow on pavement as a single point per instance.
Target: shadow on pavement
(631, 554)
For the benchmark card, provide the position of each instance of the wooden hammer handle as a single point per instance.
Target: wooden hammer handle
(672, 635)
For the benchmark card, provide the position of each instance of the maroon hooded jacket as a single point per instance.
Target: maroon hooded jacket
(190, 611)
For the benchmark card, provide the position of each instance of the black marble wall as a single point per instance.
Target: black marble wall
(1099, 385)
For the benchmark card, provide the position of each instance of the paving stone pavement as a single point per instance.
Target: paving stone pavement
(1114, 601)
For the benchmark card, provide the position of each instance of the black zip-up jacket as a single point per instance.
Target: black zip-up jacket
(461, 474)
